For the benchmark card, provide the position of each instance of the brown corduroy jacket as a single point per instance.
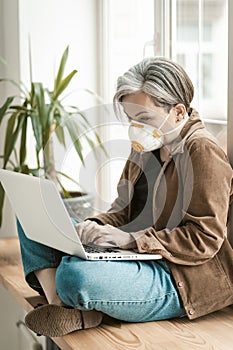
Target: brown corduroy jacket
(191, 202)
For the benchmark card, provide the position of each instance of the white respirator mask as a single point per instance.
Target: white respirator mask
(146, 138)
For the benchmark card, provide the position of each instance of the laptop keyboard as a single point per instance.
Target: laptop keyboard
(94, 248)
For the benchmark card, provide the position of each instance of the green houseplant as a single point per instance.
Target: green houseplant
(43, 111)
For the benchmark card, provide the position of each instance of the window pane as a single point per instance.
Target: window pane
(131, 33)
(201, 48)
(131, 27)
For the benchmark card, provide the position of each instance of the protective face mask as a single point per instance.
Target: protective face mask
(146, 138)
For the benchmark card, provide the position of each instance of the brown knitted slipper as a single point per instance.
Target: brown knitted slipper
(55, 321)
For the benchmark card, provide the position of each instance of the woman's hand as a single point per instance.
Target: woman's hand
(91, 232)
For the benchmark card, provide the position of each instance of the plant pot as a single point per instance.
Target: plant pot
(80, 205)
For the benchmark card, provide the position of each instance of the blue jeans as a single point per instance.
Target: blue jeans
(133, 291)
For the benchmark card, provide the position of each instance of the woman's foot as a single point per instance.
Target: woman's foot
(55, 321)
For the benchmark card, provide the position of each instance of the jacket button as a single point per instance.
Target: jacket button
(191, 312)
(180, 284)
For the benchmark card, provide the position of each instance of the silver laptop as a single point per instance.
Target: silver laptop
(45, 219)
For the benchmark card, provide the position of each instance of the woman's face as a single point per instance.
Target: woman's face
(140, 107)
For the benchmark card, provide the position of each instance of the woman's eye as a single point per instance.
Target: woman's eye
(144, 119)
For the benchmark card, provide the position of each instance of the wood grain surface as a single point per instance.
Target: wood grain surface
(212, 332)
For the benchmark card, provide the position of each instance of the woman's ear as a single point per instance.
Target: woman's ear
(180, 111)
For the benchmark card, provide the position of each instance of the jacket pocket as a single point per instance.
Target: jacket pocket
(203, 288)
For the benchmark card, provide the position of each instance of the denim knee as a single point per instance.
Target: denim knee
(73, 283)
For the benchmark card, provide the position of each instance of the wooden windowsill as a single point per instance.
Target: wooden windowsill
(214, 331)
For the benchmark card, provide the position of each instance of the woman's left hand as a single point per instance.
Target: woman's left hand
(91, 232)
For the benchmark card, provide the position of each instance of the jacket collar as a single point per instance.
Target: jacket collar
(193, 124)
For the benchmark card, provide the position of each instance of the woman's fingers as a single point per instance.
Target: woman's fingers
(91, 232)
(83, 227)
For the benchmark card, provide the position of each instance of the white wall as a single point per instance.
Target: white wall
(60, 23)
(51, 26)
(9, 50)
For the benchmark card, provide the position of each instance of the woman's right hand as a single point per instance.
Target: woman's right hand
(91, 232)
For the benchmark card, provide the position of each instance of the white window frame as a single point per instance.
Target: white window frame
(162, 27)
(102, 78)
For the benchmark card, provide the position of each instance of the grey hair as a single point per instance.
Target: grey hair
(165, 81)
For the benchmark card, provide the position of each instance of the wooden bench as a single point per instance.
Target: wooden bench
(214, 331)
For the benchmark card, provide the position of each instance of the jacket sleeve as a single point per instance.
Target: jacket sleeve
(203, 227)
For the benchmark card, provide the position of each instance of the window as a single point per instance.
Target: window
(199, 44)
(192, 32)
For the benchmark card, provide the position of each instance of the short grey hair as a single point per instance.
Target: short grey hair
(165, 81)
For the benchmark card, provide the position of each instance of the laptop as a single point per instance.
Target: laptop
(45, 219)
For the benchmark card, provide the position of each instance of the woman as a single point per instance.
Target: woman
(173, 199)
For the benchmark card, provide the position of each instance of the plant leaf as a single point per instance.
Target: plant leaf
(100, 143)
(68, 177)
(63, 84)
(8, 138)
(84, 118)
(37, 129)
(2, 195)
(23, 151)
(61, 69)
(4, 107)
(20, 108)
(90, 142)
(73, 130)
(40, 100)
(64, 191)
(11, 135)
(59, 131)
(10, 162)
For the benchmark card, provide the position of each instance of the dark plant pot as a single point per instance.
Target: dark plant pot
(80, 205)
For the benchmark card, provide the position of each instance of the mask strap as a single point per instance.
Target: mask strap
(165, 120)
(178, 126)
